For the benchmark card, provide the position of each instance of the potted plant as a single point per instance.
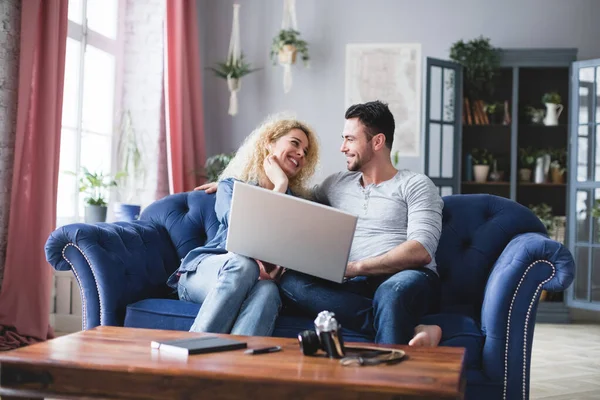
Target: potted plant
(215, 164)
(233, 71)
(132, 178)
(95, 185)
(495, 111)
(286, 45)
(544, 212)
(481, 62)
(527, 161)
(482, 159)
(558, 165)
(554, 107)
(535, 114)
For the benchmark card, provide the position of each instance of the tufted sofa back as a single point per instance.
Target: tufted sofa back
(189, 219)
(476, 229)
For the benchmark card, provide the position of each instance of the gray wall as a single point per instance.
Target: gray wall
(328, 25)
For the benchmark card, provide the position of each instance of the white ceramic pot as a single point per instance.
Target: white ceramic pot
(481, 173)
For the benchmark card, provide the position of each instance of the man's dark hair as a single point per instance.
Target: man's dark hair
(376, 117)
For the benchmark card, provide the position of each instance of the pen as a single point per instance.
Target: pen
(263, 350)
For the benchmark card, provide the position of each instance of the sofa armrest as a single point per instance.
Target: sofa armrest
(115, 264)
(530, 263)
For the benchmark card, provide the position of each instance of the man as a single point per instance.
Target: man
(391, 278)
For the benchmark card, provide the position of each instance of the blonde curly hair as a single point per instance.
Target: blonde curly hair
(247, 164)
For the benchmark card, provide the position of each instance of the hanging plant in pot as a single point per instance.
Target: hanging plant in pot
(233, 71)
(235, 67)
(284, 50)
(286, 45)
(553, 108)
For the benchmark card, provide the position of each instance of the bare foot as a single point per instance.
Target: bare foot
(426, 335)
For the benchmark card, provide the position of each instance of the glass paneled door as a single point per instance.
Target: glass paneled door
(443, 125)
(584, 184)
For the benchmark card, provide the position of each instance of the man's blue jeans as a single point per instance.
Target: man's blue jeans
(233, 299)
(385, 307)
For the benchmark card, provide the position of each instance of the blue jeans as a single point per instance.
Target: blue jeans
(233, 299)
(386, 307)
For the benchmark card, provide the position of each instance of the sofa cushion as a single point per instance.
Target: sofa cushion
(179, 315)
(175, 315)
(460, 331)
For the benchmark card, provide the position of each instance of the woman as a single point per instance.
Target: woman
(280, 155)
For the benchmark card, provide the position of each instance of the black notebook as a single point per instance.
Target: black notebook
(199, 345)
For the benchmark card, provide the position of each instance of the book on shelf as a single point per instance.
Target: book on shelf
(474, 113)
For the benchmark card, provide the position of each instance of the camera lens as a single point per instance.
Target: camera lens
(309, 342)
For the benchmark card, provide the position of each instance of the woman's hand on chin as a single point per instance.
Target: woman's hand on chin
(275, 174)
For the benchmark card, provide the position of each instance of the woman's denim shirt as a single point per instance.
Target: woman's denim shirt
(217, 245)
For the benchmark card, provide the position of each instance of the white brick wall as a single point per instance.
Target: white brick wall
(142, 79)
(10, 17)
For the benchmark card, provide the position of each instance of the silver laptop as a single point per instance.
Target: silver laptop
(285, 230)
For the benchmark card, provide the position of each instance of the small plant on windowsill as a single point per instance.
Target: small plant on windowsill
(95, 186)
(495, 111)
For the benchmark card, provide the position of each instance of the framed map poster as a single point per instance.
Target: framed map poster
(390, 73)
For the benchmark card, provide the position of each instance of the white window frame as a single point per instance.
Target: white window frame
(85, 36)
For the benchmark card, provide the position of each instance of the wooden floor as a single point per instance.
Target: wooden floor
(565, 363)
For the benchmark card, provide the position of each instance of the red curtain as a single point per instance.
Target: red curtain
(183, 87)
(26, 289)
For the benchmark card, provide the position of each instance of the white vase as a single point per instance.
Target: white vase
(552, 113)
(481, 172)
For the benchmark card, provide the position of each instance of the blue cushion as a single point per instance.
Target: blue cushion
(460, 331)
(179, 315)
(174, 315)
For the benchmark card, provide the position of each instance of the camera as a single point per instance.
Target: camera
(326, 336)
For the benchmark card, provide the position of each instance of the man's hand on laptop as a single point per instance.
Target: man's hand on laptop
(209, 187)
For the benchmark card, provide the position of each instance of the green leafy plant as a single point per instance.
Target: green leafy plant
(233, 69)
(481, 62)
(527, 157)
(96, 186)
(289, 37)
(558, 159)
(214, 165)
(536, 114)
(482, 157)
(493, 108)
(544, 212)
(552, 98)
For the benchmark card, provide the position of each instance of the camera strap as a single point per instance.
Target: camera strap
(372, 356)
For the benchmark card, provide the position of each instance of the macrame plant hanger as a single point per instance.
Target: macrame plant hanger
(288, 56)
(233, 57)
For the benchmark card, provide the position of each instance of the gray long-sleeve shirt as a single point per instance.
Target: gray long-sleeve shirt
(406, 207)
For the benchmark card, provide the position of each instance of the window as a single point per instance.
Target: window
(89, 106)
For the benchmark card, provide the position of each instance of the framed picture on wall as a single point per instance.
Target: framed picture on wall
(390, 73)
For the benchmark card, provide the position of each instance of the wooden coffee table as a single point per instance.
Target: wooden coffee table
(113, 362)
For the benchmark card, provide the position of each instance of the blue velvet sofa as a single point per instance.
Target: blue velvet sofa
(494, 259)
